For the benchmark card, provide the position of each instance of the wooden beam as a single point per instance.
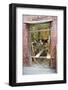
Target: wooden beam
(38, 21)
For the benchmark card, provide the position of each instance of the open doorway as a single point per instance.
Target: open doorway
(39, 45)
(40, 40)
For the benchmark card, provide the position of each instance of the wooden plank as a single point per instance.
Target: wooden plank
(39, 54)
(42, 30)
(42, 57)
(38, 21)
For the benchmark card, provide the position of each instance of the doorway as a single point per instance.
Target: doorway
(40, 40)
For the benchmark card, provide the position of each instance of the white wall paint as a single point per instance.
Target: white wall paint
(4, 44)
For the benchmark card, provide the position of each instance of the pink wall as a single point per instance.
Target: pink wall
(54, 43)
(26, 45)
